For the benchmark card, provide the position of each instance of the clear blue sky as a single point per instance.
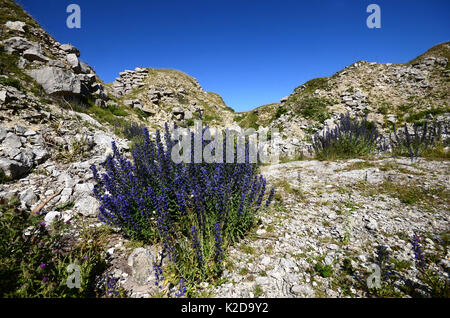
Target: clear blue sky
(251, 52)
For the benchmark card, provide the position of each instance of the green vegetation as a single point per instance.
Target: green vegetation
(359, 165)
(10, 11)
(34, 256)
(437, 50)
(11, 82)
(65, 206)
(280, 111)
(314, 108)
(421, 115)
(3, 177)
(323, 270)
(352, 138)
(79, 149)
(411, 194)
(316, 83)
(258, 291)
(250, 120)
(425, 141)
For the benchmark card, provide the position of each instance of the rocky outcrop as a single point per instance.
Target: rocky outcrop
(167, 95)
(129, 80)
(21, 149)
(54, 66)
(55, 80)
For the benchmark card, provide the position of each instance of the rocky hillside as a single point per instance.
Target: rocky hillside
(54, 68)
(386, 93)
(164, 95)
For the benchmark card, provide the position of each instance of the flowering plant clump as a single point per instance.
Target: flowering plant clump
(428, 140)
(32, 260)
(194, 210)
(437, 284)
(350, 138)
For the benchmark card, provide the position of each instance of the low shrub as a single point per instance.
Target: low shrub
(194, 210)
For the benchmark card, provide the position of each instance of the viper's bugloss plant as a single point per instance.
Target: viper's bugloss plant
(349, 139)
(193, 210)
(427, 140)
(418, 253)
(433, 279)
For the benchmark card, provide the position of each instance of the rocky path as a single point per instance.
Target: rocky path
(329, 214)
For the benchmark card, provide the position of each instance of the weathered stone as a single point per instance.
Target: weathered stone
(3, 97)
(83, 189)
(12, 169)
(73, 62)
(65, 195)
(128, 103)
(33, 54)
(56, 63)
(16, 25)
(262, 281)
(87, 206)
(303, 290)
(51, 217)
(372, 225)
(18, 44)
(56, 80)
(3, 133)
(141, 263)
(12, 141)
(100, 103)
(66, 178)
(28, 198)
(68, 48)
(103, 141)
(85, 68)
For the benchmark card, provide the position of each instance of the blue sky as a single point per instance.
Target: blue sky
(251, 52)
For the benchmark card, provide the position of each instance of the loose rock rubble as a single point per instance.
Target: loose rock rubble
(281, 255)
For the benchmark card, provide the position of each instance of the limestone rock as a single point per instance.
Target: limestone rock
(18, 44)
(12, 168)
(141, 261)
(57, 81)
(16, 25)
(73, 62)
(34, 54)
(87, 206)
(68, 48)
